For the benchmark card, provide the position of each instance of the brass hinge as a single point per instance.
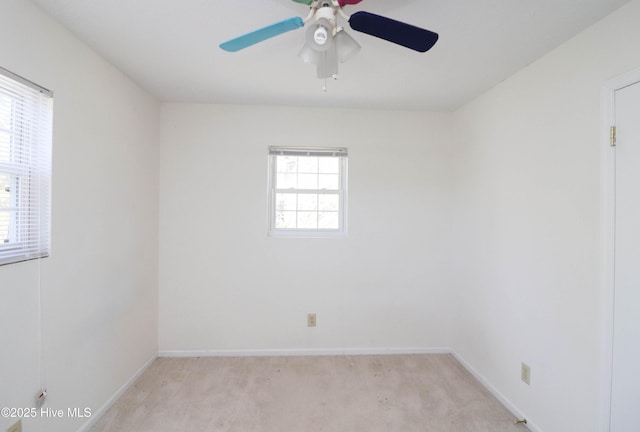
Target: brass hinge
(613, 136)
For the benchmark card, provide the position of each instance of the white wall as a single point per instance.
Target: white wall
(100, 284)
(224, 285)
(526, 226)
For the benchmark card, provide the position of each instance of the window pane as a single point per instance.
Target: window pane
(5, 141)
(286, 181)
(5, 111)
(286, 219)
(5, 221)
(307, 220)
(328, 202)
(5, 191)
(287, 164)
(328, 220)
(25, 162)
(307, 193)
(308, 164)
(329, 165)
(308, 181)
(286, 202)
(328, 181)
(307, 202)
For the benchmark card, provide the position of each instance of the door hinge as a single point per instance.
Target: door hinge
(613, 136)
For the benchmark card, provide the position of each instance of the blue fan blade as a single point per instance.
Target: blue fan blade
(409, 36)
(262, 34)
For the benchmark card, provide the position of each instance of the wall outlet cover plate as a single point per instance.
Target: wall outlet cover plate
(311, 320)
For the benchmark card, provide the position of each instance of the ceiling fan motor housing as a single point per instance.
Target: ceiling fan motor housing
(326, 13)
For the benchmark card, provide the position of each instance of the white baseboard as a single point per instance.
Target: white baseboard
(303, 352)
(95, 416)
(503, 400)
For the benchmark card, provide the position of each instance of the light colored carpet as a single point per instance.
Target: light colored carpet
(401, 393)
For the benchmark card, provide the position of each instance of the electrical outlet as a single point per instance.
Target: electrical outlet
(311, 320)
(16, 427)
(525, 374)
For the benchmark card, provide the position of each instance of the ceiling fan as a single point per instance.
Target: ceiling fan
(327, 43)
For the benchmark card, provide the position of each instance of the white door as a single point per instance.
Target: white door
(625, 402)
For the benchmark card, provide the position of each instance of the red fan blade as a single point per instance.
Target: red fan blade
(343, 3)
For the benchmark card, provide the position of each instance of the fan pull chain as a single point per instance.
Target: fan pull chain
(324, 87)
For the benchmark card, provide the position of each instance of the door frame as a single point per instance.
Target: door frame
(607, 240)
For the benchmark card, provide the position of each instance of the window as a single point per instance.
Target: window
(26, 112)
(307, 191)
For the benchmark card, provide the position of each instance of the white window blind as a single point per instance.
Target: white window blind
(307, 191)
(26, 114)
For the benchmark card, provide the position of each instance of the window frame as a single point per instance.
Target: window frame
(337, 152)
(28, 167)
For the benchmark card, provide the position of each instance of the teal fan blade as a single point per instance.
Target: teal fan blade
(262, 34)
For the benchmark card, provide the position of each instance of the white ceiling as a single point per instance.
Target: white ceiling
(170, 47)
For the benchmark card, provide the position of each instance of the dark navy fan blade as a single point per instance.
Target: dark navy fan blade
(407, 35)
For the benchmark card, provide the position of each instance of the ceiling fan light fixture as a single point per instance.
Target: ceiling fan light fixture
(347, 46)
(319, 35)
(328, 63)
(309, 55)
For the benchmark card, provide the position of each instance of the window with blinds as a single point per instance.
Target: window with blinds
(26, 113)
(307, 191)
